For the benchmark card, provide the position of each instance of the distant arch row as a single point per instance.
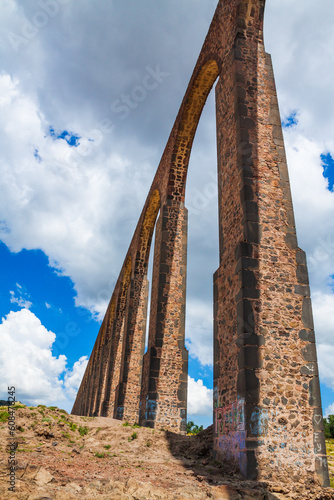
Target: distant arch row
(111, 380)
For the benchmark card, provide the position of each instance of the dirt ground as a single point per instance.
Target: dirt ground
(61, 456)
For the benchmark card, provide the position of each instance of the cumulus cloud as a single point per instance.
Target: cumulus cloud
(329, 410)
(62, 204)
(27, 363)
(199, 398)
(323, 306)
(199, 333)
(326, 356)
(72, 379)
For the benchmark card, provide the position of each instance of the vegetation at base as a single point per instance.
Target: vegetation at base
(134, 426)
(193, 429)
(83, 431)
(100, 455)
(330, 458)
(107, 446)
(133, 436)
(329, 427)
(4, 416)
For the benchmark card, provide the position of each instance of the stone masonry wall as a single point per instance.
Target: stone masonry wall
(267, 407)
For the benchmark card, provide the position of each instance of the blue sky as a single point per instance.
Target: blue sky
(74, 174)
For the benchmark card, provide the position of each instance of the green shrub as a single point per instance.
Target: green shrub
(329, 427)
(126, 424)
(4, 416)
(107, 446)
(83, 431)
(73, 426)
(193, 429)
(133, 436)
(100, 455)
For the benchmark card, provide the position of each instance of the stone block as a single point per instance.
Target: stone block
(307, 315)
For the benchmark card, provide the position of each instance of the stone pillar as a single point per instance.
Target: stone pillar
(267, 410)
(88, 373)
(106, 346)
(115, 354)
(128, 391)
(164, 388)
(98, 367)
(96, 355)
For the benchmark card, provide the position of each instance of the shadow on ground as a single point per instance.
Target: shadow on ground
(195, 452)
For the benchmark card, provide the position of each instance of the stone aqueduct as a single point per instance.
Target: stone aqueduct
(267, 406)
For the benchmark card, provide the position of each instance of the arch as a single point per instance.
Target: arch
(128, 391)
(147, 229)
(192, 111)
(105, 340)
(116, 340)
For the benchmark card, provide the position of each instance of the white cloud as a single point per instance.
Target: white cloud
(199, 398)
(199, 333)
(323, 306)
(329, 410)
(64, 208)
(22, 299)
(27, 363)
(73, 378)
(326, 367)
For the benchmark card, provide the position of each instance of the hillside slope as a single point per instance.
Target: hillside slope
(61, 456)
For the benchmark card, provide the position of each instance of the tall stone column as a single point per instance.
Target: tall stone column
(128, 391)
(164, 387)
(114, 357)
(96, 357)
(267, 409)
(105, 356)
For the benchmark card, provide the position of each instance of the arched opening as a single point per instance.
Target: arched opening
(150, 279)
(186, 131)
(128, 389)
(116, 343)
(202, 204)
(147, 249)
(201, 200)
(106, 336)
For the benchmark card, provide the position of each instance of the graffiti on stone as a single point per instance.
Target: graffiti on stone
(229, 422)
(151, 408)
(259, 422)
